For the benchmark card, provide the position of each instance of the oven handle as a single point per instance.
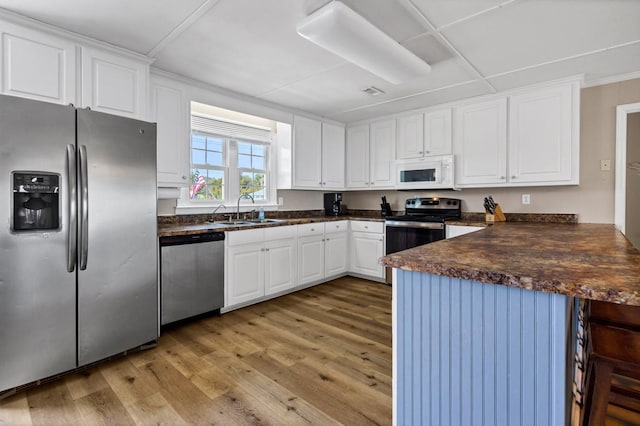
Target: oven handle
(409, 224)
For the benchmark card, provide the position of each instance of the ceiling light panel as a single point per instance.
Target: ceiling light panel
(340, 30)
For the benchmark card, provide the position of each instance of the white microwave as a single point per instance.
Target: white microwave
(426, 173)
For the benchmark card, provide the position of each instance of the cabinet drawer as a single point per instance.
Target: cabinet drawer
(366, 226)
(235, 238)
(311, 229)
(338, 226)
(279, 232)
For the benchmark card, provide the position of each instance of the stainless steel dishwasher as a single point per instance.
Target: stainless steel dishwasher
(191, 275)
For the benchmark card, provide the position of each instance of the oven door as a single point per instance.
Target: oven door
(400, 235)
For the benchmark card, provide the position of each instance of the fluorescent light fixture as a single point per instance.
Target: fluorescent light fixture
(342, 31)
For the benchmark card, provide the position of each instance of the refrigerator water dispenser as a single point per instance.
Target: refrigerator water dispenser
(35, 201)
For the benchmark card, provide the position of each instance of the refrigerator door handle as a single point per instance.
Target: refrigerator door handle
(73, 208)
(84, 209)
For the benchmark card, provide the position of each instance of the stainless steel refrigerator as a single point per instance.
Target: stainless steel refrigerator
(78, 241)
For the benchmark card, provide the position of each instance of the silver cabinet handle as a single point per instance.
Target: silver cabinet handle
(502, 177)
(514, 177)
(266, 249)
(184, 177)
(327, 239)
(84, 209)
(73, 208)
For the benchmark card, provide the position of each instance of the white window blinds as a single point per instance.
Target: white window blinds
(230, 130)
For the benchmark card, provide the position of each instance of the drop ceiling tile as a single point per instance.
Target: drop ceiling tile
(594, 67)
(135, 25)
(341, 88)
(247, 46)
(397, 22)
(538, 31)
(425, 100)
(441, 12)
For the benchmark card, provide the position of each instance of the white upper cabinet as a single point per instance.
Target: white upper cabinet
(114, 84)
(358, 156)
(37, 65)
(480, 144)
(437, 132)
(543, 136)
(538, 145)
(410, 140)
(318, 154)
(57, 68)
(307, 153)
(382, 154)
(170, 111)
(422, 135)
(370, 155)
(333, 138)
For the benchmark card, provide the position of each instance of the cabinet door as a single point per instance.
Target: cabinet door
(335, 253)
(382, 154)
(114, 84)
(245, 270)
(279, 265)
(453, 231)
(307, 152)
(437, 132)
(168, 110)
(358, 156)
(541, 137)
(310, 259)
(332, 156)
(481, 143)
(410, 143)
(37, 65)
(366, 249)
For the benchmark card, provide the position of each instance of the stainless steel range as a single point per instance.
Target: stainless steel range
(422, 223)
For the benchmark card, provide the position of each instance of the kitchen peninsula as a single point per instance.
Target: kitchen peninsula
(483, 325)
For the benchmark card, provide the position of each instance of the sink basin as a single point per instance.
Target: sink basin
(265, 220)
(235, 223)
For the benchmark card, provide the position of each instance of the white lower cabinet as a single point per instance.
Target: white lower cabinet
(260, 262)
(245, 273)
(280, 259)
(367, 246)
(335, 253)
(322, 251)
(453, 231)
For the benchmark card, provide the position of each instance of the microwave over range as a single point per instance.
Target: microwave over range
(426, 173)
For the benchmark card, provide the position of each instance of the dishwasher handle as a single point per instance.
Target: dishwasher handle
(175, 240)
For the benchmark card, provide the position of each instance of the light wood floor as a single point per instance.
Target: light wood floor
(319, 356)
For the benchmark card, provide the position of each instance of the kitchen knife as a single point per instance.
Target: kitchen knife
(487, 206)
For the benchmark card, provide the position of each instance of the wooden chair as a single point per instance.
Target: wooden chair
(614, 343)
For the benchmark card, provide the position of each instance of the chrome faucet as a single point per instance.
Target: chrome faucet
(240, 198)
(212, 218)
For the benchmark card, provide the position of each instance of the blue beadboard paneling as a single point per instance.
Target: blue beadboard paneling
(474, 354)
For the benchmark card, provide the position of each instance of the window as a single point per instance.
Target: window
(229, 159)
(208, 167)
(252, 168)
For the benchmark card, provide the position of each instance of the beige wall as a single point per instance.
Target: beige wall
(592, 199)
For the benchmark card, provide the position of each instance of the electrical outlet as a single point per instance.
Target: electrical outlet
(526, 198)
(605, 165)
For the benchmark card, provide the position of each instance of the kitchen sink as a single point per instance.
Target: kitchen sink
(235, 223)
(265, 220)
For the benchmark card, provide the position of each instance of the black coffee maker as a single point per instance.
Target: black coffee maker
(332, 204)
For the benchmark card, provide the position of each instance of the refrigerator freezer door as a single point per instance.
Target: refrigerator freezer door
(118, 290)
(37, 294)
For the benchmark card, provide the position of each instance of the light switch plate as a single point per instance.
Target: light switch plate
(526, 198)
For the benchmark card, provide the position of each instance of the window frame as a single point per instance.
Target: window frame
(231, 183)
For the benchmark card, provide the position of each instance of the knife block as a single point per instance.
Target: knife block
(497, 216)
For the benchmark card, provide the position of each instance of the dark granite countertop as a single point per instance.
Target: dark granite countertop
(172, 229)
(590, 261)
